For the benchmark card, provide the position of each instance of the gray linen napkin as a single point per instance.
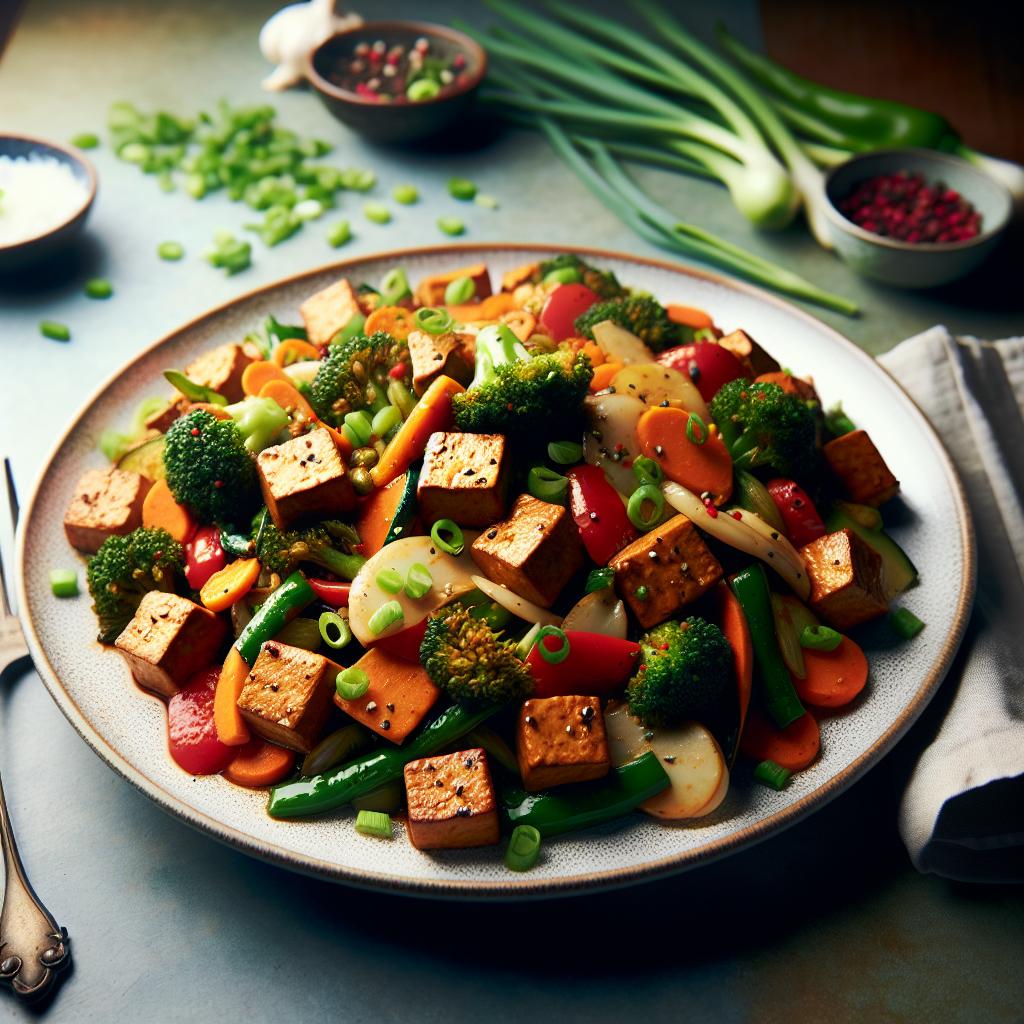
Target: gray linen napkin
(962, 815)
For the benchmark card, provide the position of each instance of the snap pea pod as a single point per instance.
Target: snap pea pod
(578, 807)
(274, 614)
(371, 771)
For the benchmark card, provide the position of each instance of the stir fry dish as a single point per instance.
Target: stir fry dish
(500, 563)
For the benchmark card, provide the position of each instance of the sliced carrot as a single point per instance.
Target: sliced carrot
(794, 747)
(161, 512)
(593, 352)
(690, 316)
(377, 513)
(491, 308)
(700, 467)
(288, 396)
(256, 375)
(433, 412)
(231, 727)
(733, 624)
(230, 584)
(833, 678)
(258, 764)
(603, 376)
(292, 350)
(521, 323)
(394, 320)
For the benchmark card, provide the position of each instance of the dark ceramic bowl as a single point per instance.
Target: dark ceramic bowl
(29, 251)
(397, 122)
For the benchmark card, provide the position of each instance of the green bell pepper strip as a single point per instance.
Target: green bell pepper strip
(863, 122)
(274, 614)
(371, 771)
(594, 803)
(751, 589)
(236, 544)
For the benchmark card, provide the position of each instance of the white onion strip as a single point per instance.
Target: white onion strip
(512, 602)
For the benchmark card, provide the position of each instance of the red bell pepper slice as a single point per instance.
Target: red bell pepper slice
(595, 666)
(406, 644)
(563, 306)
(334, 594)
(706, 363)
(799, 516)
(203, 556)
(599, 514)
(191, 732)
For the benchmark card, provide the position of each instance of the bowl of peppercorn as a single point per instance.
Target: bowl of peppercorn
(398, 81)
(914, 218)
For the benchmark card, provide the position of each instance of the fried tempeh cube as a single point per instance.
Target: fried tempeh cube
(328, 311)
(435, 354)
(661, 571)
(221, 369)
(106, 503)
(847, 583)
(534, 552)
(451, 801)
(755, 359)
(561, 740)
(522, 274)
(170, 639)
(463, 478)
(860, 469)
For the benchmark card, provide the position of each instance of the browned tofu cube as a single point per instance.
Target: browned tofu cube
(561, 740)
(163, 418)
(463, 478)
(398, 699)
(754, 358)
(847, 585)
(287, 695)
(430, 291)
(664, 570)
(328, 311)
(221, 369)
(534, 552)
(451, 801)
(106, 502)
(304, 477)
(170, 639)
(861, 470)
(522, 274)
(436, 354)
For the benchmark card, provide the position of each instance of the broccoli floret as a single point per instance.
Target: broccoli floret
(761, 425)
(685, 673)
(522, 396)
(209, 468)
(126, 568)
(641, 314)
(357, 374)
(259, 420)
(603, 282)
(328, 544)
(469, 661)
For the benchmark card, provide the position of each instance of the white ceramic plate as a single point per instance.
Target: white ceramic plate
(126, 728)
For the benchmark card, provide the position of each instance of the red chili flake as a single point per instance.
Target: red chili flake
(195, 431)
(643, 668)
(663, 647)
(218, 483)
(737, 516)
(711, 510)
(619, 446)
(397, 371)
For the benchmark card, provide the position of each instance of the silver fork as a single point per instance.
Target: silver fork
(33, 947)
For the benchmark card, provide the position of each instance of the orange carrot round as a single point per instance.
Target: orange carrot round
(231, 727)
(794, 747)
(833, 678)
(734, 625)
(604, 374)
(690, 316)
(230, 584)
(490, 308)
(161, 511)
(395, 320)
(256, 375)
(704, 466)
(288, 396)
(292, 350)
(520, 323)
(259, 764)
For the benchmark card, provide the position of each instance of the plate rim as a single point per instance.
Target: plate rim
(520, 886)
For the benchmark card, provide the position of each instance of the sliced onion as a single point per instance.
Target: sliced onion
(653, 384)
(512, 602)
(599, 612)
(620, 345)
(611, 437)
(303, 371)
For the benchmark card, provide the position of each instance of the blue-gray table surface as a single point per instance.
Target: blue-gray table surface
(827, 921)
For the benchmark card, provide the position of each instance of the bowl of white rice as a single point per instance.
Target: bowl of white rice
(46, 192)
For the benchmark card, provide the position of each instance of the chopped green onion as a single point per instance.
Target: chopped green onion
(376, 213)
(85, 140)
(405, 194)
(820, 638)
(838, 423)
(486, 201)
(352, 683)
(451, 225)
(525, 645)
(229, 254)
(308, 209)
(454, 531)
(772, 774)
(334, 630)
(374, 823)
(170, 251)
(906, 623)
(64, 582)
(279, 223)
(523, 848)
(599, 579)
(418, 582)
(389, 580)
(192, 391)
(696, 429)
(99, 288)
(546, 484)
(461, 290)
(461, 188)
(358, 179)
(562, 275)
(560, 653)
(361, 426)
(385, 420)
(55, 331)
(565, 453)
(641, 593)
(394, 287)
(644, 494)
(385, 616)
(754, 497)
(422, 89)
(339, 233)
(647, 471)
(432, 319)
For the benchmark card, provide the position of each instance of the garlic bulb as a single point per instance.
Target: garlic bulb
(291, 34)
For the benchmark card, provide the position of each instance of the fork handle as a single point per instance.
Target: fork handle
(33, 947)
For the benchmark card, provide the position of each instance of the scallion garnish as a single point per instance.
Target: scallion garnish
(334, 630)
(523, 848)
(599, 579)
(422, 89)
(646, 495)
(647, 471)
(696, 429)
(374, 823)
(461, 188)
(418, 582)
(905, 623)
(565, 453)
(525, 645)
(86, 140)
(560, 653)
(820, 638)
(486, 201)
(385, 616)
(562, 275)
(444, 529)
(99, 288)
(339, 233)
(451, 225)
(432, 319)
(229, 254)
(394, 287)
(55, 331)
(405, 194)
(376, 213)
(641, 593)
(772, 774)
(546, 484)
(461, 290)
(64, 582)
(170, 251)
(389, 580)
(352, 683)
